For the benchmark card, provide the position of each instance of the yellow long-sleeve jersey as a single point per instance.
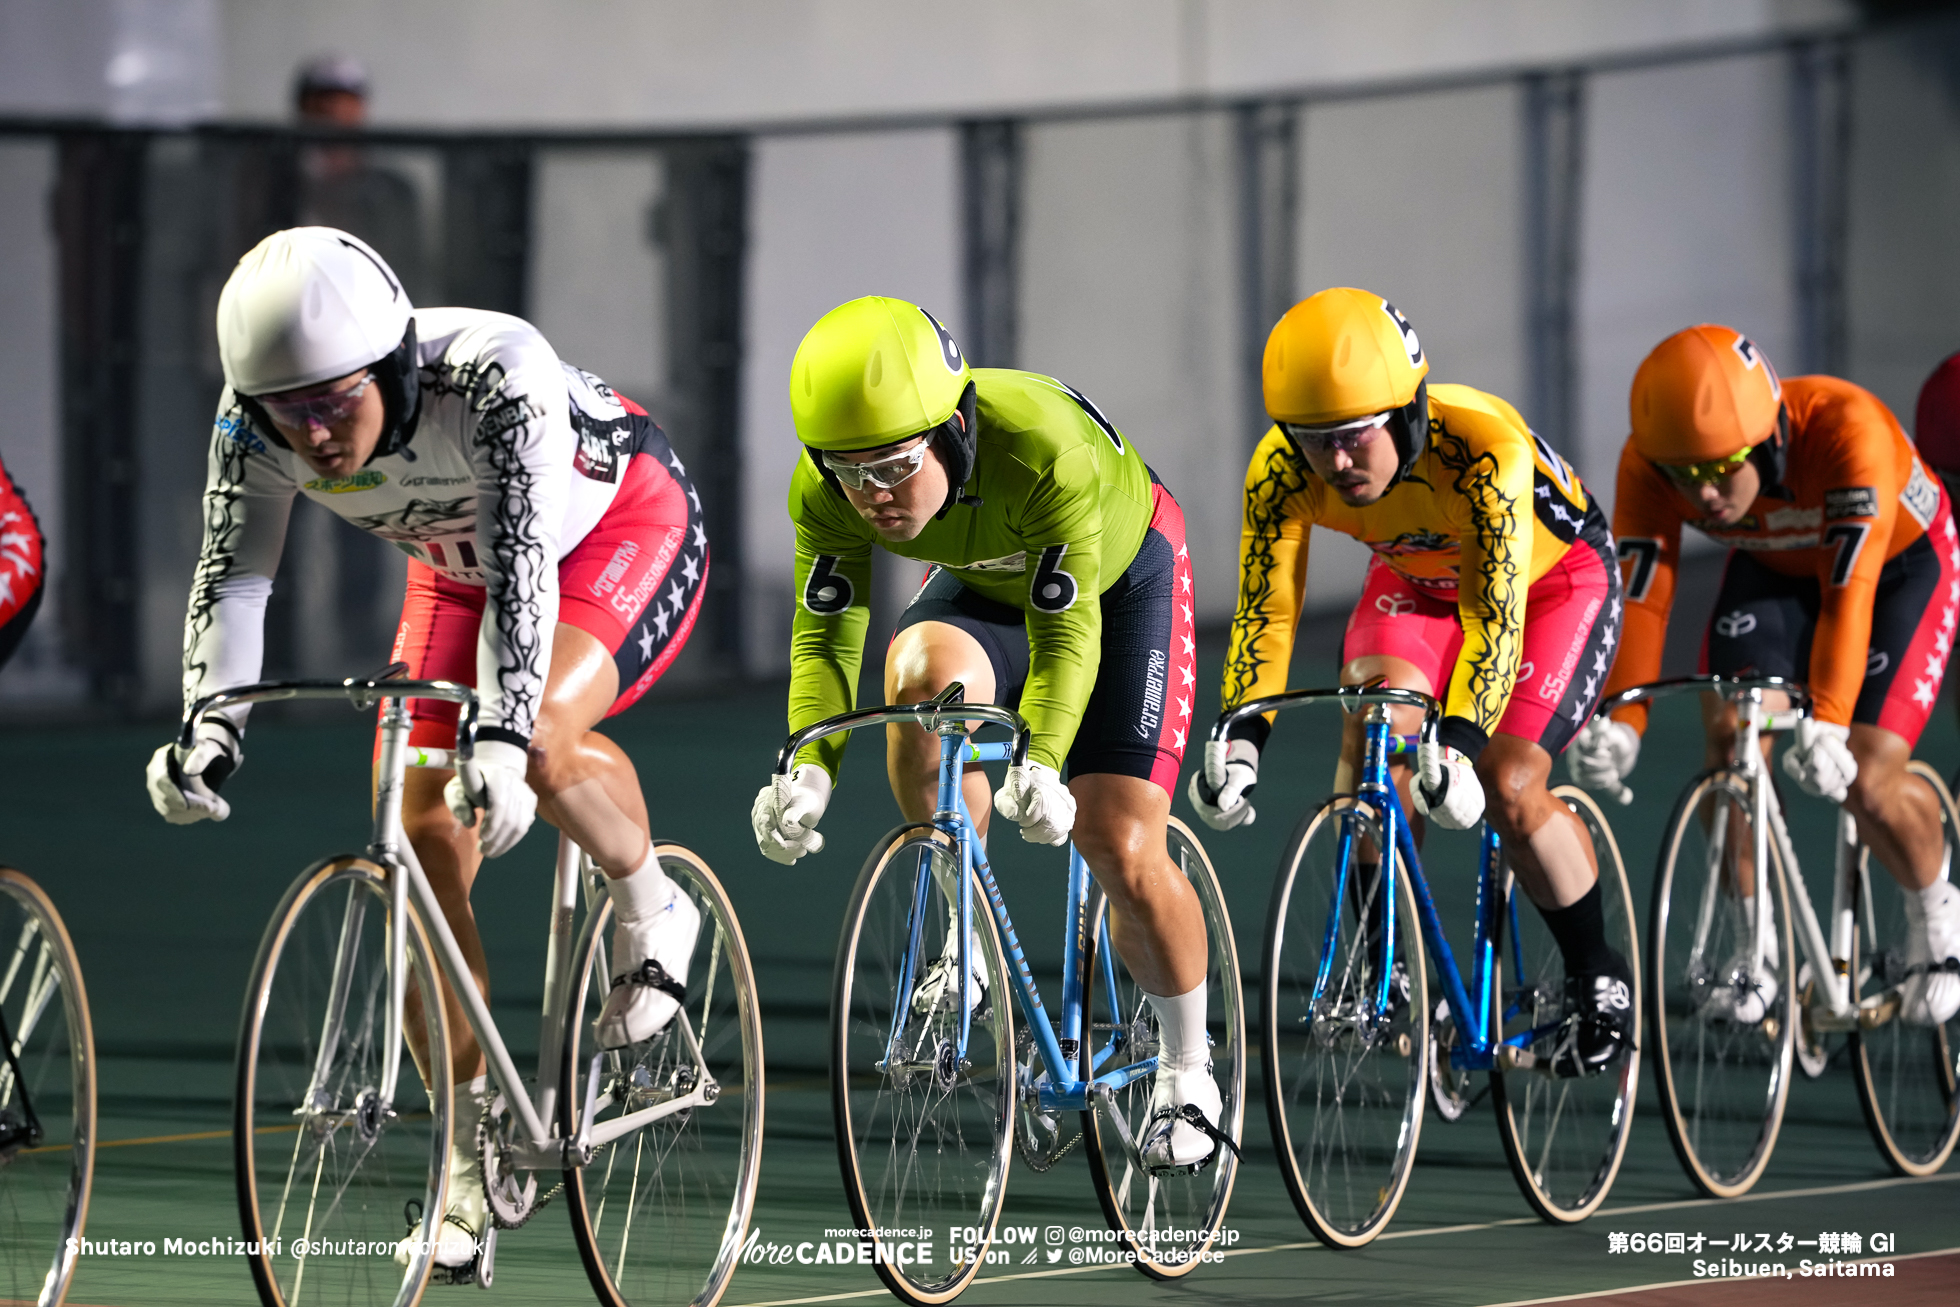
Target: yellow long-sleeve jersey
(1485, 510)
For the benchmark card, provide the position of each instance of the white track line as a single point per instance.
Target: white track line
(1313, 1245)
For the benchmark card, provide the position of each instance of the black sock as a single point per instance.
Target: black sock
(1581, 934)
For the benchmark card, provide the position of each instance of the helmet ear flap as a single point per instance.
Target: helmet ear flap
(1772, 456)
(1408, 426)
(958, 443)
(401, 394)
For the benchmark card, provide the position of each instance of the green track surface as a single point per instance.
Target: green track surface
(167, 919)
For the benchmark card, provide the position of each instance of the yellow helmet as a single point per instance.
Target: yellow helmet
(1338, 355)
(874, 371)
(1344, 354)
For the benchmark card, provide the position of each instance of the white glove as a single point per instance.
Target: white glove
(1821, 760)
(1603, 754)
(1447, 787)
(1230, 772)
(494, 781)
(1034, 796)
(184, 784)
(786, 813)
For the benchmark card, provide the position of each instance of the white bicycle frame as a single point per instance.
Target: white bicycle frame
(1830, 962)
(539, 1146)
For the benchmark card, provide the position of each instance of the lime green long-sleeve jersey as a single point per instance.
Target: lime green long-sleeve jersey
(1065, 501)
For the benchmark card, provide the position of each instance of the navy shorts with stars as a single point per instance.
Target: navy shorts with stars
(1571, 632)
(1138, 718)
(635, 583)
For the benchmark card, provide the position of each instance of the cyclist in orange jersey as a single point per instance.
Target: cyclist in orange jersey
(1843, 572)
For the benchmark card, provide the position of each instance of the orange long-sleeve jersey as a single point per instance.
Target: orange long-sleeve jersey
(1853, 497)
(1486, 510)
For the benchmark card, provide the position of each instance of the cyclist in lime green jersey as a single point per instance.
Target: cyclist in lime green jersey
(1059, 584)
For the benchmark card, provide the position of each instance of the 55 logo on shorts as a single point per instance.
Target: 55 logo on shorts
(1394, 605)
(1733, 625)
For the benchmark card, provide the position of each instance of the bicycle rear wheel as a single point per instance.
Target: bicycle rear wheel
(660, 1212)
(1906, 1072)
(922, 1136)
(1723, 1077)
(47, 1096)
(1564, 1137)
(1344, 1094)
(326, 1170)
(1167, 1218)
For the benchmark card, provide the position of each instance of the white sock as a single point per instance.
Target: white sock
(1932, 896)
(1181, 1030)
(646, 891)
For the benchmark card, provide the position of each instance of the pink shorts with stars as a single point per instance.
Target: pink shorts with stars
(1571, 632)
(635, 583)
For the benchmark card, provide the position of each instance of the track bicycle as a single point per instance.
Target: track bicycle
(1721, 925)
(930, 1086)
(1351, 1047)
(336, 1148)
(47, 1097)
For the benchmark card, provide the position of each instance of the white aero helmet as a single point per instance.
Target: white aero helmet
(310, 304)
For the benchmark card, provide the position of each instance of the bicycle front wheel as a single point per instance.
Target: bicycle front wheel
(1722, 1019)
(1345, 1076)
(330, 1170)
(1166, 1217)
(660, 1211)
(47, 1096)
(923, 1134)
(1906, 1070)
(1564, 1137)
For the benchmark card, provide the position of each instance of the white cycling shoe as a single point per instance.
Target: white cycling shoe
(649, 981)
(465, 1217)
(1184, 1109)
(1932, 997)
(1744, 990)
(930, 992)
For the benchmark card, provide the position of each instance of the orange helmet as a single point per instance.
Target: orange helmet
(1703, 394)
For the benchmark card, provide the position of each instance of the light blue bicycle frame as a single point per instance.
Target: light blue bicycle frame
(1060, 1089)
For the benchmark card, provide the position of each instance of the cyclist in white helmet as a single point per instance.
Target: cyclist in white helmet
(558, 561)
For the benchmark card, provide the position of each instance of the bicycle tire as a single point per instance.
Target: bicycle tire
(688, 1181)
(925, 1145)
(1723, 1084)
(47, 1110)
(1905, 1072)
(1192, 1204)
(325, 951)
(1345, 1109)
(1565, 1138)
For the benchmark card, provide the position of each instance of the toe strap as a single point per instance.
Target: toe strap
(654, 976)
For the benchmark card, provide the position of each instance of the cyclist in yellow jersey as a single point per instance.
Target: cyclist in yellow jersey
(1060, 582)
(1493, 587)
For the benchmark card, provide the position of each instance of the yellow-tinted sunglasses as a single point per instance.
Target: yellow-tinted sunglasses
(1706, 473)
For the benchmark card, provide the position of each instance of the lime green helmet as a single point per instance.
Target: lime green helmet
(872, 372)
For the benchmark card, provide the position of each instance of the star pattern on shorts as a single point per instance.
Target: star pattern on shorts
(1924, 692)
(646, 642)
(691, 569)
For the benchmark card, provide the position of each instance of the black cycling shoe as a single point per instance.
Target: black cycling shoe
(1597, 1027)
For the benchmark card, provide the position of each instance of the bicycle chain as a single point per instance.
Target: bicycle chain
(484, 1125)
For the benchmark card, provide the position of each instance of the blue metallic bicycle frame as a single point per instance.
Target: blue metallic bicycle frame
(1477, 1045)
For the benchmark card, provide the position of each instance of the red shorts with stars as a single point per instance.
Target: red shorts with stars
(1763, 624)
(1138, 719)
(635, 583)
(1571, 632)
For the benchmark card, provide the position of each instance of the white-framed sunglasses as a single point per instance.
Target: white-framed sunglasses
(1344, 436)
(884, 473)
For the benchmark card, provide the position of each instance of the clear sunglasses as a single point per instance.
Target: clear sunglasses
(316, 410)
(1343, 436)
(884, 473)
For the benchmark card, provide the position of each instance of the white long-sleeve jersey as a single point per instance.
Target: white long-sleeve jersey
(513, 460)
